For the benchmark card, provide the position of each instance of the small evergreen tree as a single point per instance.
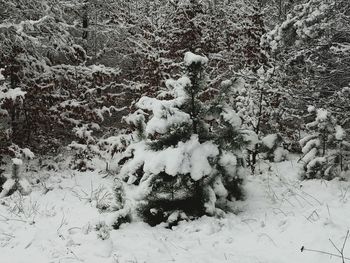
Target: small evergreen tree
(187, 158)
(325, 150)
(85, 149)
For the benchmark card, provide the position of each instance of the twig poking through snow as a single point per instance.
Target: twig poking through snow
(341, 251)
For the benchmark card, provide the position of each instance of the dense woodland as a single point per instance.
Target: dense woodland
(179, 99)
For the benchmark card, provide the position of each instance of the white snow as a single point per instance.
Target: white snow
(280, 154)
(232, 117)
(7, 186)
(27, 153)
(191, 58)
(229, 161)
(314, 143)
(135, 118)
(219, 189)
(178, 86)
(166, 113)
(311, 108)
(164, 118)
(226, 83)
(322, 115)
(17, 161)
(269, 140)
(12, 94)
(26, 187)
(307, 138)
(310, 155)
(190, 157)
(251, 138)
(83, 132)
(339, 133)
(279, 216)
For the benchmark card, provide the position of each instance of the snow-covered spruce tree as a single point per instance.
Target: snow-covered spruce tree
(325, 150)
(187, 158)
(259, 103)
(85, 148)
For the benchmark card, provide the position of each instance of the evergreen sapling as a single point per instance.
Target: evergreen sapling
(325, 149)
(187, 158)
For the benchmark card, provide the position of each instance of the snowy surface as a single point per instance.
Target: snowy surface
(56, 223)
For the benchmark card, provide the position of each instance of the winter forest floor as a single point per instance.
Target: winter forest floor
(56, 223)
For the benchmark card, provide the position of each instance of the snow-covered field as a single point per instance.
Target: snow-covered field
(56, 223)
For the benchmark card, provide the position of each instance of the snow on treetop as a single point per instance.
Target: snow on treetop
(322, 115)
(17, 161)
(191, 58)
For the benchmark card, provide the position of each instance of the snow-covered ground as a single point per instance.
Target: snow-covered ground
(56, 223)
